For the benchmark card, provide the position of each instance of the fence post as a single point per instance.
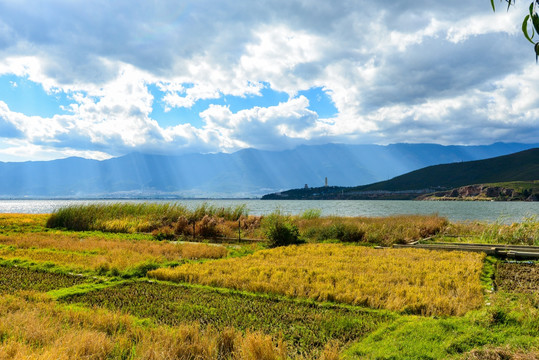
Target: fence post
(239, 229)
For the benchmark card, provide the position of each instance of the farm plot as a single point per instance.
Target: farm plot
(35, 327)
(408, 280)
(305, 326)
(13, 279)
(113, 255)
(517, 277)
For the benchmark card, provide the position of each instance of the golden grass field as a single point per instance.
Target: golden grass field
(409, 280)
(94, 253)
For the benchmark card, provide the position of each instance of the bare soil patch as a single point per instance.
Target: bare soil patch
(518, 277)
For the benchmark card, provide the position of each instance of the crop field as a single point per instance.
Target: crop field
(338, 299)
(14, 279)
(407, 280)
(34, 327)
(518, 277)
(306, 327)
(93, 253)
(22, 223)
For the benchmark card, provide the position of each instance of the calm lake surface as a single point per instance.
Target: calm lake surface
(506, 212)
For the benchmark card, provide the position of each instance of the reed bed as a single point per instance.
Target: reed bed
(135, 217)
(525, 232)
(168, 221)
(408, 280)
(101, 254)
(388, 230)
(34, 327)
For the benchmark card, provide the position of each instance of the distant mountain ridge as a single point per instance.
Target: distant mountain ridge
(520, 166)
(246, 173)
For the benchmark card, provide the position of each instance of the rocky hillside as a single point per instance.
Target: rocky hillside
(517, 191)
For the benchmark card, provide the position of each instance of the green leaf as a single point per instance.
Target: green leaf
(525, 29)
(535, 21)
(493, 7)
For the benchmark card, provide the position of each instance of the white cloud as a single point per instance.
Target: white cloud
(395, 71)
(264, 128)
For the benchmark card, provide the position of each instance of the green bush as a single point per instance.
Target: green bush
(280, 230)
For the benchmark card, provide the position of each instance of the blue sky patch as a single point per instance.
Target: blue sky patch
(29, 98)
(174, 116)
(319, 102)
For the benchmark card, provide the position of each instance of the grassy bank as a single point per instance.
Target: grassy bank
(175, 222)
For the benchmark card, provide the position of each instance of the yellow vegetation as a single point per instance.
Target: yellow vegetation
(33, 327)
(93, 253)
(410, 280)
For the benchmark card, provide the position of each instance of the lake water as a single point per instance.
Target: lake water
(506, 212)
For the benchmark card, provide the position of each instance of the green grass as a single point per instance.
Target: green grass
(518, 185)
(306, 326)
(511, 321)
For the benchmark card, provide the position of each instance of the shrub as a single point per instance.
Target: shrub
(182, 226)
(207, 226)
(280, 230)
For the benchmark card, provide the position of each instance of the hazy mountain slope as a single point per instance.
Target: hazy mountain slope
(247, 172)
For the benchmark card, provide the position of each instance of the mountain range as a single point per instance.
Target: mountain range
(245, 173)
(497, 172)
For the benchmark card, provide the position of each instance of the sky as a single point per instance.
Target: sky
(102, 78)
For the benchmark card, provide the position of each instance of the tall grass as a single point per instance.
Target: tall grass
(525, 232)
(374, 230)
(135, 217)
